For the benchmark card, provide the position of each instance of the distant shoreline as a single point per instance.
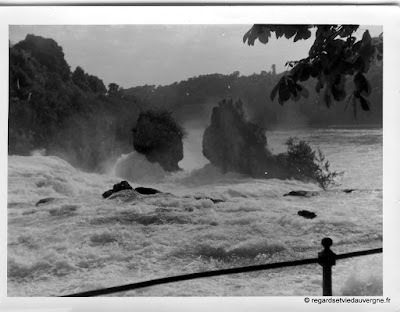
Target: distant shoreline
(355, 126)
(333, 127)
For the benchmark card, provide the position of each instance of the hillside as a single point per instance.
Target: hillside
(69, 114)
(194, 98)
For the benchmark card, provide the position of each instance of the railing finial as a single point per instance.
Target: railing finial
(327, 242)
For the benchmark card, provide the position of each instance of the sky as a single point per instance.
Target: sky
(133, 55)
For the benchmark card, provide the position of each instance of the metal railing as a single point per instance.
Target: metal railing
(326, 258)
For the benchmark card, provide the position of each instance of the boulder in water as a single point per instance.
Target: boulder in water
(307, 214)
(108, 193)
(147, 190)
(45, 201)
(123, 185)
(301, 193)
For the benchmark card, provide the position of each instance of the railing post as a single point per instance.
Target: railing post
(326, 258)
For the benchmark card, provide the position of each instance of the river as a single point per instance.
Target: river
(80, 241)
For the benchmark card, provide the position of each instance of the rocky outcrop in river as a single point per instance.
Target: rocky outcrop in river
(159, 138)
(234, 144)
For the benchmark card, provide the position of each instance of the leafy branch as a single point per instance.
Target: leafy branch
(335, 54)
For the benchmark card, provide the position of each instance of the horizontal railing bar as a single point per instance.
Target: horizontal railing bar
(359, 253)
(165, 280)
(178, 278)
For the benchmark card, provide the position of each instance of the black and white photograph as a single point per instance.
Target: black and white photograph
(195, 159)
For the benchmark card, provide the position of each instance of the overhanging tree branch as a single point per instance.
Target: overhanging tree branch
(334, 55)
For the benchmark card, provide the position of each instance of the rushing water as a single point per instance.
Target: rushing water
(80, 241)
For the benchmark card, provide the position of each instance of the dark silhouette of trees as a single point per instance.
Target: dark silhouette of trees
(96, 84)
(115, 90)
(66, 113)
(79, 78)
(88, 83)
(334, 55)
(47, 52)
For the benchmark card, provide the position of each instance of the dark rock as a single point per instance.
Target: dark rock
(296, 193)
(307, 214)
(108, 193)
(348, 191)
(234, 144)
(159, 138)
(301, 193)
(123, 185)
(216, 201)
(147, 190)
(45, 201)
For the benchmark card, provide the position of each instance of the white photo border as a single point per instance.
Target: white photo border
(386, 16)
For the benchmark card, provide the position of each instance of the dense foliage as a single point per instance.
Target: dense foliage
(47, 53)
(154, 129)
(88, 83)
(334, 55)
(301, 163)
(67, 113)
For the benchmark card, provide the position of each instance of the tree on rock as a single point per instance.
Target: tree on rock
(234, 144)
(158, 136)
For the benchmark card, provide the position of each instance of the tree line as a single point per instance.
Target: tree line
(194, 98)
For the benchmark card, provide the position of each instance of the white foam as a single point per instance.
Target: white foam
(135, 167)
(31, 178)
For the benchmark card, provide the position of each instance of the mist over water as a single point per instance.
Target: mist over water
(79, 241)
(135, 167)
(192, 149)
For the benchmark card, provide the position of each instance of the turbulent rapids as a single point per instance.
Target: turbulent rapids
(203, 220)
